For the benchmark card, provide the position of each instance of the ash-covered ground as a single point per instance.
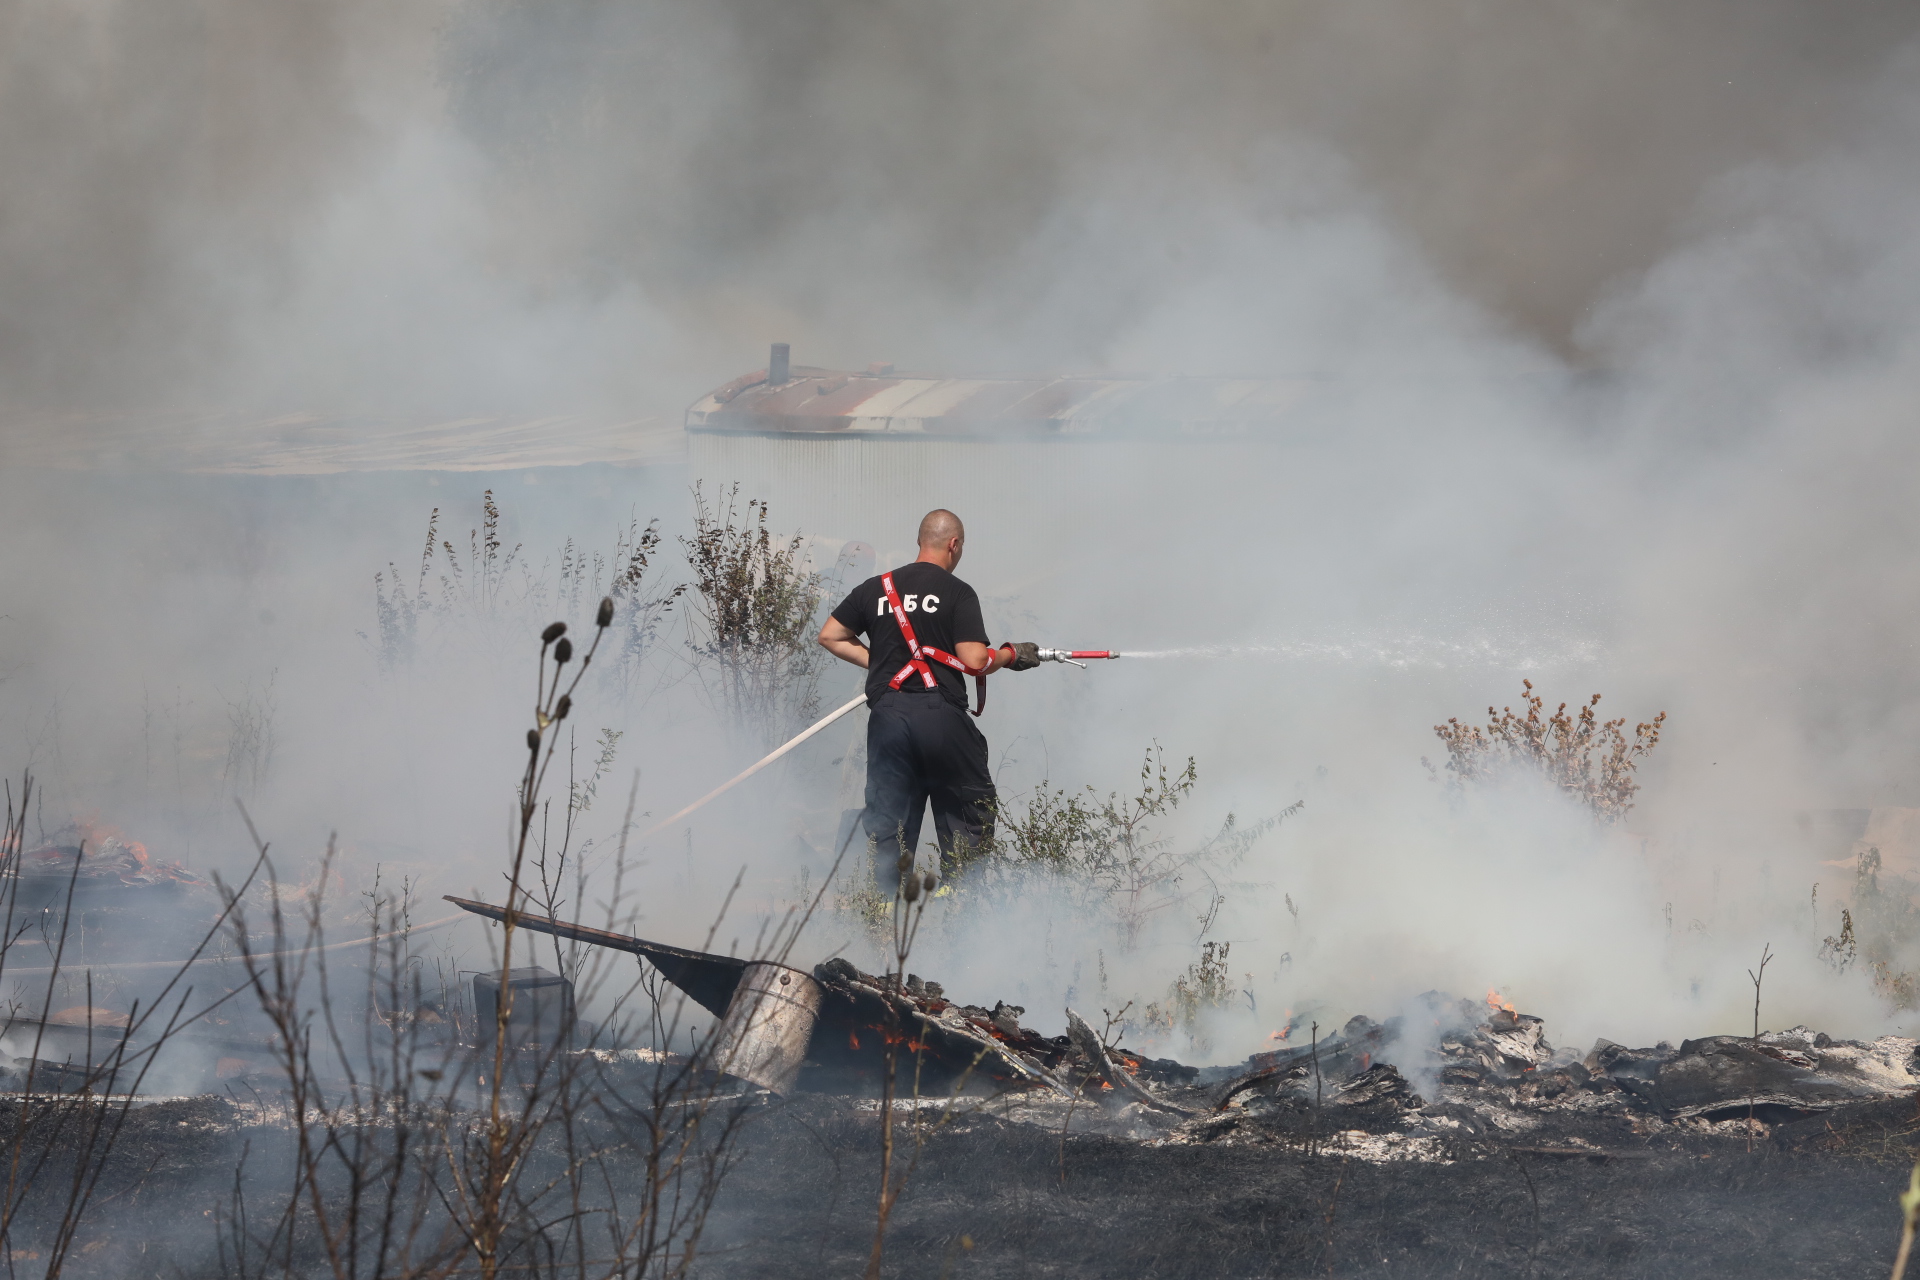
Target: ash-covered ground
(1003, 1194)
(1726, 1156)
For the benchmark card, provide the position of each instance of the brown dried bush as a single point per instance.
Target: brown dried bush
(1588, 758)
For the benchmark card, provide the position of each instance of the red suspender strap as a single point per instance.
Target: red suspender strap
(920, 652)
(915, 662)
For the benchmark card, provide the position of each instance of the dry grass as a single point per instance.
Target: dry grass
(489, 594)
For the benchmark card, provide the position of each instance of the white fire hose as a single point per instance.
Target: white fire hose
(737, 779)
(1046, 655)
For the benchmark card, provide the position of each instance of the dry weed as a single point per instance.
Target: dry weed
(754, 602)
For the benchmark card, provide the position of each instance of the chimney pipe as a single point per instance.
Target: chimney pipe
(777, 365)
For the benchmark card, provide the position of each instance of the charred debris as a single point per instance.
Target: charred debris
(1424, 1086)
(1417, 1086)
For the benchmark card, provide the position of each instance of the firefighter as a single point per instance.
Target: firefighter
(924, 638)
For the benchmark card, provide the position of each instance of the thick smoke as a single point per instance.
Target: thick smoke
(444, 203)
(1614, 301)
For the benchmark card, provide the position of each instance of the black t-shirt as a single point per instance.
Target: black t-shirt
(943, 610)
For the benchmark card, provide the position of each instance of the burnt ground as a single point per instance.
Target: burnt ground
(998, 1193)
(999, 1197)
(1622, 1171)
(1780, 1154)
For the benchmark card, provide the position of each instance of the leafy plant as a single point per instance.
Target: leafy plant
(1580, 754)
(1840, 952)
(1105, 844)
(1205, 986)
(1884, 922)
(859, 900)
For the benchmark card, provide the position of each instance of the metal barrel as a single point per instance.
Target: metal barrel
(763, 1037)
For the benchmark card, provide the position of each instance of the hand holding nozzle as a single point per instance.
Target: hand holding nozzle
(1026, 655)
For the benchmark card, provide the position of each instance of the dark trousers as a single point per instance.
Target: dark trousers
(921, 747)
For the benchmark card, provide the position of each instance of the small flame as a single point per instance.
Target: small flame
(107, 852)
(1498, 1005)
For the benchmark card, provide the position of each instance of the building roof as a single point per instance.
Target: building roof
(881, 402)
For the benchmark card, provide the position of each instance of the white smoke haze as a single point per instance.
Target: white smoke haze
(1611, 309)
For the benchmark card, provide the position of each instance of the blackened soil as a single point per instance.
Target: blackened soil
(148, 1210)
(1603, 1194)
(990, 1197)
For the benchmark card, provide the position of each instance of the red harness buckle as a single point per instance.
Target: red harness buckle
(922, 652)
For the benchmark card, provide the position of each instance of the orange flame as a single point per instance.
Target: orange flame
(108, 850)
(1498, 1005)
(906, 1038)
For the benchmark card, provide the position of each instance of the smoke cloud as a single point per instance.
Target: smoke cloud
(1614, 303)
(365, 205)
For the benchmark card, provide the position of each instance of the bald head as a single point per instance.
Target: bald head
(942, 538)
(939, 527)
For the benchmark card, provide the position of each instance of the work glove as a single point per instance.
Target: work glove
(1026, 656)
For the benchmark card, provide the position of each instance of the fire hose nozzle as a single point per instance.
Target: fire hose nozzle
(1073, 656)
